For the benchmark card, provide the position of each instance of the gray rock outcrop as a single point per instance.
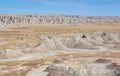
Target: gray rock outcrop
(67, 20)
(95, 41)
(81, 67)
(102, 41)
(9, 54)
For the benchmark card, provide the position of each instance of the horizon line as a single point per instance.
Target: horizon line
(62, 15)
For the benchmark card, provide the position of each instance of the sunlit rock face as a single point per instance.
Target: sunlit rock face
(81, 67)
(10, 54)
(9, 69)
(93, 41)
(98, 41)
(21, 20)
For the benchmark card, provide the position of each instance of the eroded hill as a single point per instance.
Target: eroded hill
(23, 20)
(38, 46)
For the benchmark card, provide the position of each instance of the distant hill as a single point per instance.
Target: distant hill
(67, 20)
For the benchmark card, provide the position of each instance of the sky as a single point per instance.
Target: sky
(61, 7)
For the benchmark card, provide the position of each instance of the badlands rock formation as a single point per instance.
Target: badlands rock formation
(102, 41)
(21, 20)
(81, 54)
(81, 67)
(9, 54)
(98, 41)
(64, 51)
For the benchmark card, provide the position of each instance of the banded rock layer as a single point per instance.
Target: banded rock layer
(102, 41)
(96, 41)
(21, 20)
(81, 67)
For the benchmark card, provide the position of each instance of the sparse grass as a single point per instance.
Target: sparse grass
(40, 62)
(30, 34)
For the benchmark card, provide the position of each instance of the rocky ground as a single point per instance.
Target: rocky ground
(82, 54)
(44, 49)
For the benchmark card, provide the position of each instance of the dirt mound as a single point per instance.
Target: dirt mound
(51, 44)
(80, 67)
(10, 54)
(103, 61)
(92, 41)
(101, 41)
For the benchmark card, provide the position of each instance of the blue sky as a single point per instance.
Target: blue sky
(70, 7)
